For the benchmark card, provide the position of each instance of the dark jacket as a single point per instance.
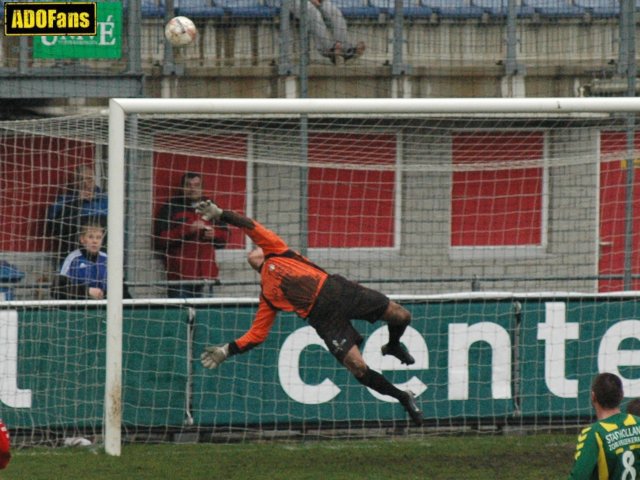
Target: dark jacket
(80, 271)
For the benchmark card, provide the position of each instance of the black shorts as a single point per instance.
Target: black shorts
(339, 302)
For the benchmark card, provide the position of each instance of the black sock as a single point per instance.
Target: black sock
(395, 332)
(375, 380)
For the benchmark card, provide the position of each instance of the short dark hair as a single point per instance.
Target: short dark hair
(607, 390)
(633, 407)
(188, 176)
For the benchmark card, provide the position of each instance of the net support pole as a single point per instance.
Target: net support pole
(400, 72)
(629, 39)
(115, 261)
(304, 123)
(303, 67)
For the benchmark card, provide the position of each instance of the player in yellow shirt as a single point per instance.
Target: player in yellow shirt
(610, 448)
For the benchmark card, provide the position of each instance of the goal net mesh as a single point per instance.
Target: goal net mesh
(508, 237)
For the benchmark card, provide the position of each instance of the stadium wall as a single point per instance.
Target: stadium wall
(446, 57)
(423, 259)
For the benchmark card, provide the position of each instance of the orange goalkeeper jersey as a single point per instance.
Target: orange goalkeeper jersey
(290, 282)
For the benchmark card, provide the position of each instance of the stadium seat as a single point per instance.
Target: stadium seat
(357, 8)
(555, 8)
(499, 8)
(453, 8)
(198, 8)
(152, 8)
(411, 8)
(600, 8)
(248, 8)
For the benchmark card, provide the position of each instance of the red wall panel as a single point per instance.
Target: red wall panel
(33, 172)
(352, 208)
(501, 206)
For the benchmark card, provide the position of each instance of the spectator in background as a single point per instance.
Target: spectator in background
(329, 30)
(83, 274)
(187, 242)
(83, 202)
(633, 407)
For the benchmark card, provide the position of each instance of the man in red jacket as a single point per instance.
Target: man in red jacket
(187, 242)
(292, 283)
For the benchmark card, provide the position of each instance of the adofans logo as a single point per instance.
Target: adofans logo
(54, 18)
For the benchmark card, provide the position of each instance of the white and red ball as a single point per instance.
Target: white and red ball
(180, 31)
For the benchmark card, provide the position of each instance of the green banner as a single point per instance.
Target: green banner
(61, 359)
(566, 342)
(292, 377)
(107, 43)
(482, 359)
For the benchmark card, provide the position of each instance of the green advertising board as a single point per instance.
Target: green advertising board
(61, 363)
(566, 342)
(107, 43)
(492, 360)
(292, 377)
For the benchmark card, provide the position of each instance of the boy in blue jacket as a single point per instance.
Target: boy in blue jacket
(83, 274)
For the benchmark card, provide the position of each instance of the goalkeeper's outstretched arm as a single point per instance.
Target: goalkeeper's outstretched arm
(268, 240)
(214, 355)
(210, 211)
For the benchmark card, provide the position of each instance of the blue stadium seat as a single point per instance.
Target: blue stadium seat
(601, 8)
(555, 8)
(357, 8)
(152, 8)
(411, 8)
(248, 8)
(454, 8)
(500, 8)
(198, 8)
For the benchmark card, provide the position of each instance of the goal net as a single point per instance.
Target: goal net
(506, 228)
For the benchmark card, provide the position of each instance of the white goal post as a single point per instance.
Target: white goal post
(120, 109)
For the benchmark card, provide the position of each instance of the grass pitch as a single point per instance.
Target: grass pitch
(536, 457)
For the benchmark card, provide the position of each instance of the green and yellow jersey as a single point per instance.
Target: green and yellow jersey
(609, 450)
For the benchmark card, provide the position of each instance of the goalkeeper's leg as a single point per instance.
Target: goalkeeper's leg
(398, 319)
(370, 378)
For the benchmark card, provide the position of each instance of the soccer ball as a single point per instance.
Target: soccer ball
(180, 31)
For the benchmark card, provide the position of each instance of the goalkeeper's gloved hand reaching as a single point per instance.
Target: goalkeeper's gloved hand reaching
(214, 355)
(208, 210)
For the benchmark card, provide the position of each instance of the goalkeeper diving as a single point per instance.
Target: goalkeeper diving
(290, 282)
